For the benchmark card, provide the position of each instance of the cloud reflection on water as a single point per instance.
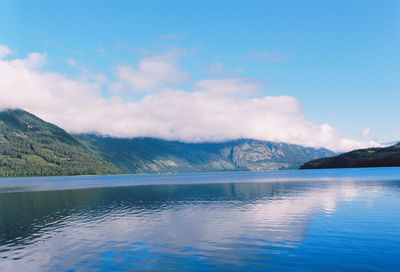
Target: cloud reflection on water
(210, 223)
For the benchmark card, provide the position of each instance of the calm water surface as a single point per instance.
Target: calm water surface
(312, 220)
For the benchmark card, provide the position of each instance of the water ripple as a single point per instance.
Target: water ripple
(280, 226)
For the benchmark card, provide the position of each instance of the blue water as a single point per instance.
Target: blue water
(311, 220)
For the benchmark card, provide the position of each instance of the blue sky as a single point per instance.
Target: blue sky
(339, 59)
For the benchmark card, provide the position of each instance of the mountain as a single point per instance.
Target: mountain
(150, 155)
(30, 146)
(370, 157)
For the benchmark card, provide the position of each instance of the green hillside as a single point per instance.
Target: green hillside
(30, 146)
(371, 157)
(149, 155)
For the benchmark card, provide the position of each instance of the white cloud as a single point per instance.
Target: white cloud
(365, 132)
(230, 86)
(4, 51)
(215, 68)
(86, 74)
(151, 73)
(217, 109)
(32, 62)
(218, 69)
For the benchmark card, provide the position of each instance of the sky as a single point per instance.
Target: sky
(315, 73)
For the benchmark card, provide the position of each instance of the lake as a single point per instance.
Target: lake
(310, 220)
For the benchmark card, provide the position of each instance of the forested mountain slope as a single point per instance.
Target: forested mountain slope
(370, 157)
(30, 146)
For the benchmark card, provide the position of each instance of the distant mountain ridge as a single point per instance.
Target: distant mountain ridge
(30, 146)
(370, 157)
(149, 155)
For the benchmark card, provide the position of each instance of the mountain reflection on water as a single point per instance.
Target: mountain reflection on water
(328, 224)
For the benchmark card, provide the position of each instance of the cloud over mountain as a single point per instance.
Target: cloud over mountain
(213, 110)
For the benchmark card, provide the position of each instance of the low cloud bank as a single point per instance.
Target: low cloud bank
(214, 110)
